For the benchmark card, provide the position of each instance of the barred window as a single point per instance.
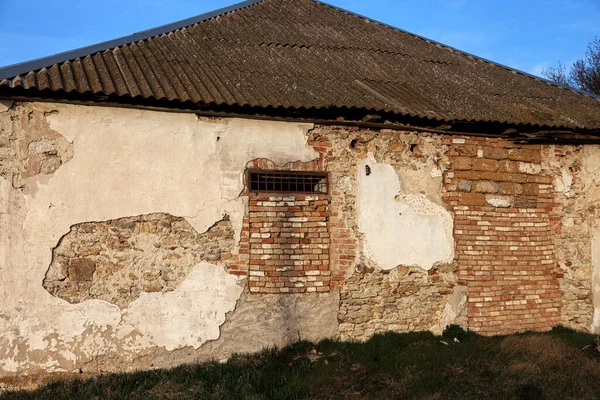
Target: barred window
(288, 182)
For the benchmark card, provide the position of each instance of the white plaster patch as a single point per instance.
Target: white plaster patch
(530, 168)
(562, 183)
(498, 201)
(591, 154)
(191, 314)
(400, 229)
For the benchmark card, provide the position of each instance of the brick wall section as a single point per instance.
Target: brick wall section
(239, 264)
(285, 241)
(289, 243)
(503, 205)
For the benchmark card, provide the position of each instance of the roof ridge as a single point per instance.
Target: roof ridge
(13, 70)
(511, 69)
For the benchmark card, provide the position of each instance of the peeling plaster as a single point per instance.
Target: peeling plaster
(191, 314)
(591, 157)
(126, 163)
(116, 260)
(400, 228)
(563, 182)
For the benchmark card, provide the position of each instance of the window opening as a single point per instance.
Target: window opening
(288, 182)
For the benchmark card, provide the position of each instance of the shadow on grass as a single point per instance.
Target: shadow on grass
(561, 364)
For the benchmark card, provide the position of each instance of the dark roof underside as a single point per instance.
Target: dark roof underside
(302, 54)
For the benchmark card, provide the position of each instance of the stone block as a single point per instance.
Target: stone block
(81, 269)
(50, 165)
(42, 147)
(499, 201)
(484, 164)
(465, 185)
(468, 175)
(396, 146)
(463, 151)
(530, 168)
(506, 177)
(508, 166)
(510, 188)
(525, 202)
(472, 199)
(531, 156)
(530, 189)
(486, 187)
(495, 153)
(462, 163)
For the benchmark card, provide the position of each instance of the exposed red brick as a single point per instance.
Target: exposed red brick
(505, 256)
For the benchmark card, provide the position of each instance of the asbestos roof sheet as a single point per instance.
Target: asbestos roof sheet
(303, 54)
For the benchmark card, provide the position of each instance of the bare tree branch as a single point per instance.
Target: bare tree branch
(584, 74)
(557, 74)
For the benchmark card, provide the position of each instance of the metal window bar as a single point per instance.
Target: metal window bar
(288, 182)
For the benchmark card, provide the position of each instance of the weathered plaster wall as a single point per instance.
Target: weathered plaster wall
(399, 228)
(115, 164)
(141, 247)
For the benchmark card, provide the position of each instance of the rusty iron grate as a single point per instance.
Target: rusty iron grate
(288, 182)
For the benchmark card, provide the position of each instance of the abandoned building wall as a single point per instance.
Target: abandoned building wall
(128, 246)
(130, 239)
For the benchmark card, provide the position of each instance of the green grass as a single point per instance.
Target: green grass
(561, 364)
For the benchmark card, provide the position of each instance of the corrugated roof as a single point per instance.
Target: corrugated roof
(305, 54)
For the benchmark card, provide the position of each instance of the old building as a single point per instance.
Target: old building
(284, 169)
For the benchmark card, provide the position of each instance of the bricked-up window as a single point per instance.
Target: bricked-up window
(288, 182)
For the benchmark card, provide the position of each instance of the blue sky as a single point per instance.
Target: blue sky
(525, 34)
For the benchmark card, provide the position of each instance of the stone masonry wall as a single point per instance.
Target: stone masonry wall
(503, 203)
(117, 260)
(576, 172)
(372, 300)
